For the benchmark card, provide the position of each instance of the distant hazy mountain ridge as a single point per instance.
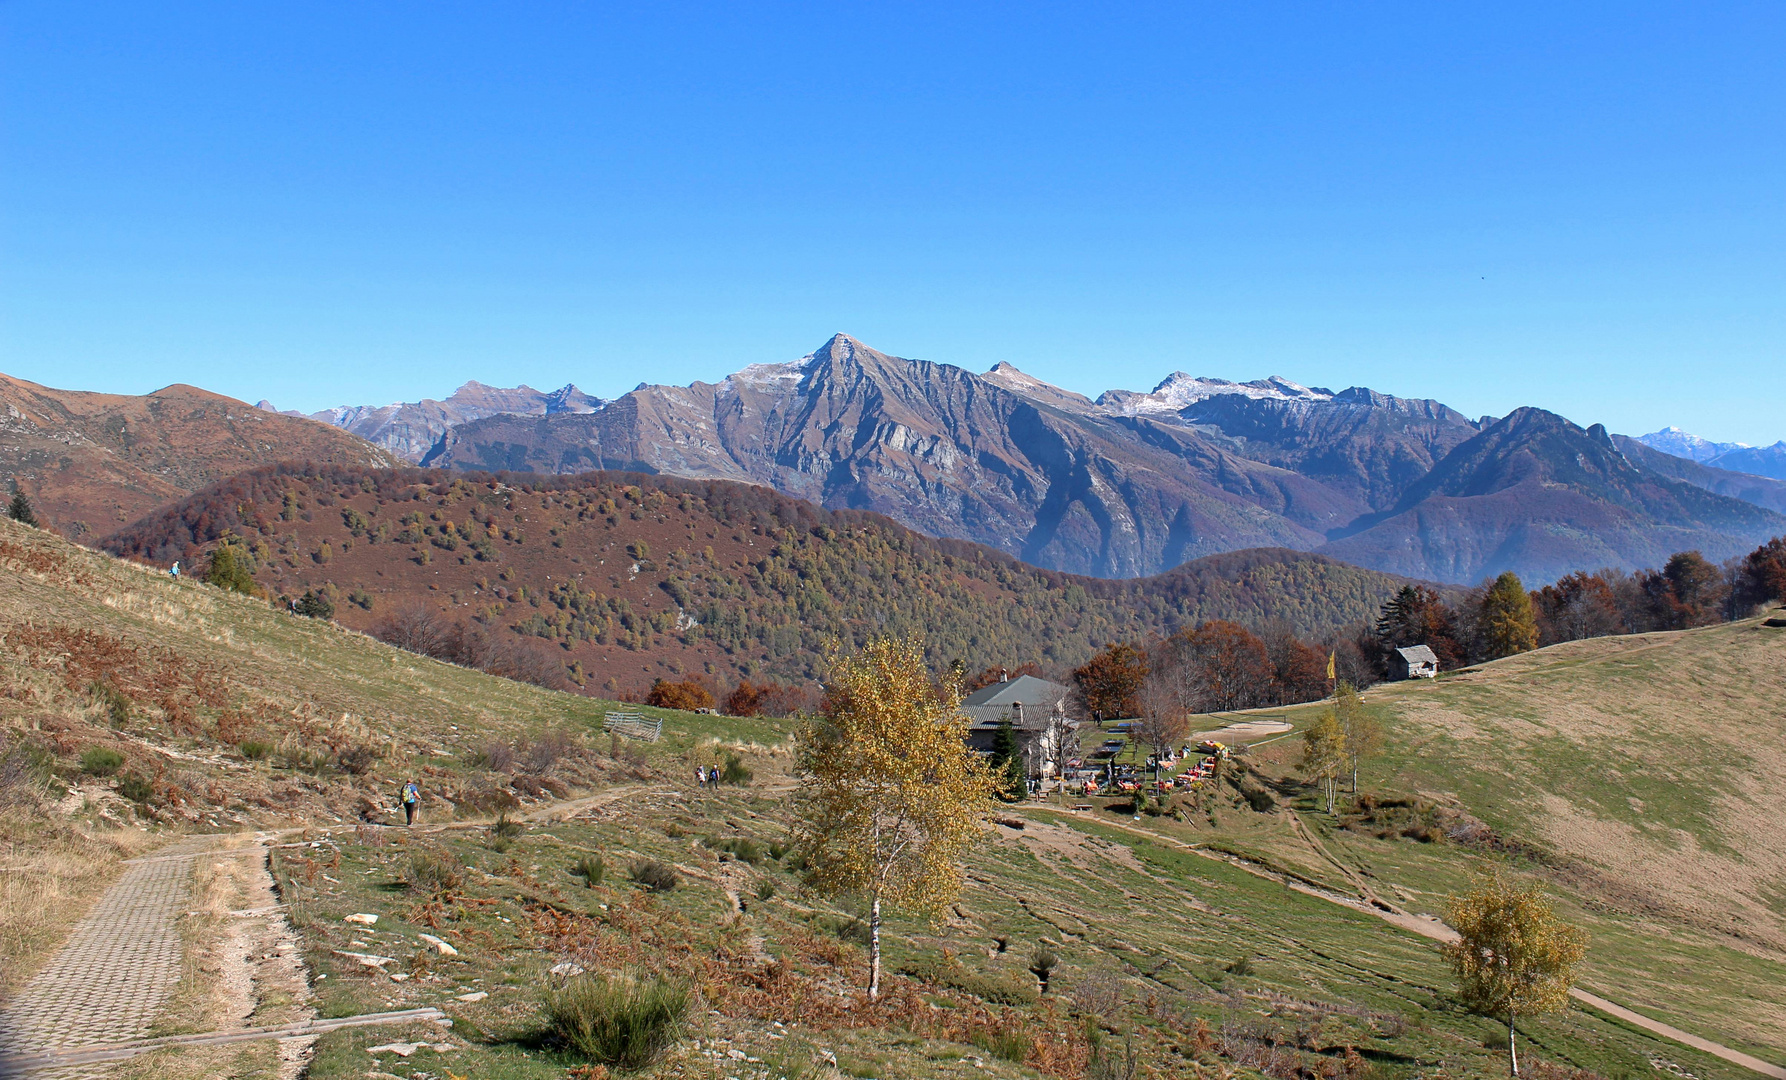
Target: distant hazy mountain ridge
(1769, 461)
(410, 429)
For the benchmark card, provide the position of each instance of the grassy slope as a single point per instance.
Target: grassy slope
(205, 671)
(1146, 933)
(1642, 777)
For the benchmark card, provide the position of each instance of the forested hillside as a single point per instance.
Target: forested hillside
(624, 578)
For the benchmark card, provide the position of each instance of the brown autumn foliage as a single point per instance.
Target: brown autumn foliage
(685, 694)
(766, 698)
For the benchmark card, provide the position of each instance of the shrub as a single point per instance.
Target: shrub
(743, 849)
(135, 788)
(1007, 1045)
(735, 771)
(230, 570)
(496, 756)
(25, 770)
(114, 701)
(505, 827)
(765, 889)
(1042, 964)
(1259, 799)
(433, 871)
(590, 868)
(687, 695)
(255, 749)
(314, 604)
(654, 875)
(356, 760)
(777, 849)
(1242, 966)
(625, 1021)
(101, 761)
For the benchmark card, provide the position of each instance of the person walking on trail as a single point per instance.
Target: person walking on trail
(412, 797)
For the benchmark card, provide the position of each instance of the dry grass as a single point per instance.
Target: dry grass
(49, 876)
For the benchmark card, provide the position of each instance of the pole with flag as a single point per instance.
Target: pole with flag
(1332, 677)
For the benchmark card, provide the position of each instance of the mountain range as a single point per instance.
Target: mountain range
(409, 429)
(1132, 484)
(93, 462)
(1769, 461)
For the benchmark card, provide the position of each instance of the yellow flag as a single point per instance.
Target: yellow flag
(1330, 658)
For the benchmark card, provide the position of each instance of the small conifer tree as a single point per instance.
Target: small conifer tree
(1006, 761)
(20, 509)
(229, 570)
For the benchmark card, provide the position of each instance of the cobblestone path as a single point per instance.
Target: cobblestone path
(118, 967)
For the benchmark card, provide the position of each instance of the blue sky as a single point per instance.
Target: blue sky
(1571, 206)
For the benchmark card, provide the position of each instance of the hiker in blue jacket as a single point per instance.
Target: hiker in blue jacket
(412, 797)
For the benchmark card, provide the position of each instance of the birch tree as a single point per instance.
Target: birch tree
(890, 794)
(1324, 753)
(1363, 734)
(1514, 957)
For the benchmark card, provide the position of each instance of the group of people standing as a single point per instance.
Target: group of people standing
(707, 776)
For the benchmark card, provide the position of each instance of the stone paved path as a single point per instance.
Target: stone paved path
(117, 968)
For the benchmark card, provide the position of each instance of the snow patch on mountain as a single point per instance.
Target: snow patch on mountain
(1179, 391)
(1682, 444)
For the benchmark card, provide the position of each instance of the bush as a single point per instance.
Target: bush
(356, 760)
(590, 868)
(496, 756)
(315, 605)
(624, 1020)
(743, 849)
(735, 772)
(1007, 1045)
(687, 695)
(1259, 799)
(101, 761)
(654, 875)
(135, 788)
(255, 749)
(765, 889)
(114, 701)
(433, 871)
(25, 771)
(230, 570)
(505, 827)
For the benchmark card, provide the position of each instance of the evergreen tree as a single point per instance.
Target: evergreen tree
(316, 605)
(1508, 624)
(229, 570)
(1006, 761)
(20, 510)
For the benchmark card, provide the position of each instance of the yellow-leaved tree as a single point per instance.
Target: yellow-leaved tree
(1324, 753)
(1514, 957)
(890, 794)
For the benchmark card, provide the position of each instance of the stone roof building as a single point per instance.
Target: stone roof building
(1037, 710)
(1414, 662)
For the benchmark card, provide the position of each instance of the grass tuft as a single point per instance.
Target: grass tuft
(621, 1020)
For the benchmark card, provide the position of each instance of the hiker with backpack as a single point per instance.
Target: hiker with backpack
(412, 797)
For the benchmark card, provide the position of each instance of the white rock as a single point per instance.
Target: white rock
(399, 976)
(440, 946)
(566, 969)
(362, 918)
(475, 995)
(400, 1049)
(367, 958)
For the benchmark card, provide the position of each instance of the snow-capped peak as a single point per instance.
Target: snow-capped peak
(1672, 440)
(1179, 390)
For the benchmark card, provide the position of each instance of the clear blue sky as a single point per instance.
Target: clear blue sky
(1565, 205)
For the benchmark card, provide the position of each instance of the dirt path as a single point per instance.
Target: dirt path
(1438, 931)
